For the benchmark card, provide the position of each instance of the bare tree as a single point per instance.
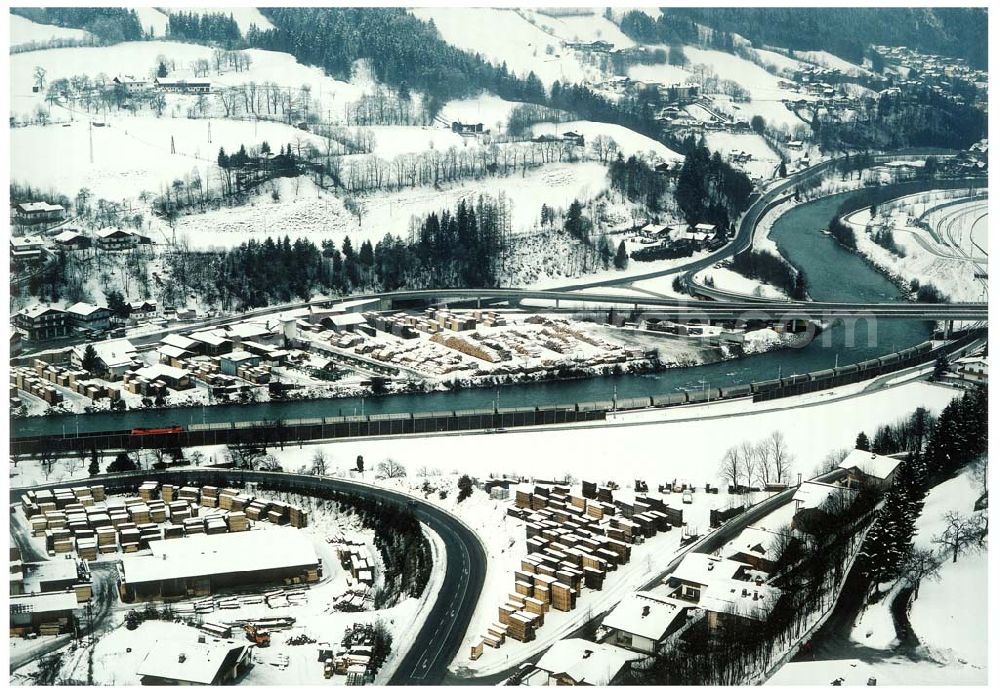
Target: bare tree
(730, 468)
(319, 463)
(778, 457)
(750, 461)
(390, 469)
(245, 454)
(960, 533)
(832, 460)
(919, 564)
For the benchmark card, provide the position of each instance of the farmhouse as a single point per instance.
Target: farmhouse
(201, 661)
(130, 84)
(71, 240)
(467, 128)
(644, 621)
(868, 468)
(116, 239)
(576, 662)
(42, 322)
(183, 86)
(38, 213)
(200, 564)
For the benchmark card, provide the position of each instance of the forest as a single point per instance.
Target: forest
(211, 27)
(710, 190)
(108, 24)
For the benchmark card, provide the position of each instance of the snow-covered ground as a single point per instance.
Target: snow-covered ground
(502, 35)
(488, 109)
(940, 257)
(826, 59)
(764, 162)
(779, 61)
(152, 19)
(629, 142)
(730, 281)
(664, 74)
(26, 31)
(591, 26)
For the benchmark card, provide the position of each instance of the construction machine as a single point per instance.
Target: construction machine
(261, 639)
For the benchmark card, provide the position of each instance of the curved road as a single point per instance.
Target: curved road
(437, 642)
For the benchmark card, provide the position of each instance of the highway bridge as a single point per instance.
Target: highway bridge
(427, 658)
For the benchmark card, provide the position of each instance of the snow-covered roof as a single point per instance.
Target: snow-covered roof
(108, 232)
(52, 570)
(175, 340)
(38, 310)
(39, 207)
(814, 494)
(82, 308)
(645, 614)
(67, 236)
(111, 352)
(173, 352)
(740, 598)
(703, 569)
(756, 542)
(243, 330)
(586, 662)
(229, 553)
(209, 337)
(345, 320)
(239, 355)
(18, 242)
(872, 465)
(44, 602)
(189, 662)
(162, 370)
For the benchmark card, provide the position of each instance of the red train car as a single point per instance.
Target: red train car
(161, 430)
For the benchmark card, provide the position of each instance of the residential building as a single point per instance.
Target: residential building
(84, 316)
(697, 571)
(38, 213)
(203, 660)
(729, 602)
(644, 622)
(114, 357)
(131, 84)
(973, 370)
(141, 310)
(467, 128)
(866, 468)
(42, 323)
(212, 342)
(574, 138)
(26, 248)
(71, 240)
(576, 662)
(760, 548)
(116, 239)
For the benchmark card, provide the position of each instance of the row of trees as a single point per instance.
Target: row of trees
(754, 463)
(768, 267)
(209, 27)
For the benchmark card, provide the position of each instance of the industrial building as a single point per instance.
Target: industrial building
(201, 564)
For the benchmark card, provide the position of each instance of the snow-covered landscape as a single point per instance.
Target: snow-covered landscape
(498, 345)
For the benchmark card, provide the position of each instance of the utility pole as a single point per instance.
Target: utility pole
(209, 132)
(90, 134)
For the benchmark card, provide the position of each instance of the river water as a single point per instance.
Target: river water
(832, 273)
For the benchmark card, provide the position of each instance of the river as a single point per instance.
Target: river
(832, 273)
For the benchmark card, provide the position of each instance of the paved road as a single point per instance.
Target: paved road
(437, 642)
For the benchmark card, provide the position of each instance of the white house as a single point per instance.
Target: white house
(865, 467)
(115, 356)
(727, 600)
(576, 662)
(644, 621)
(697, 571)
(200, 661)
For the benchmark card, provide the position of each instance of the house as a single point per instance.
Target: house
(183, 86)
(758, 547)
(71, 240)
(202, 661)
(644, 621)
(231, 363)
(130, 84)
(973, 370)
(116, 239)
(865, 468)
(26, 248)
(697, 571)
(574, 138)
(576, 662)
(817, 502)
(42, 323)
(114, 357)
(467, 128)
(256, 331)
(794, 144)
(141, 310)
(653, 230)
(182, 342)
(172, 356)
(728, 602)
(38, 213)
(84, 316)
(201, 564)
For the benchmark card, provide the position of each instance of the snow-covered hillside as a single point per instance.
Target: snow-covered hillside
(488, 109)
(152, 19)
(580, 27)
(26, 31)
(504, 36)
(628, 141)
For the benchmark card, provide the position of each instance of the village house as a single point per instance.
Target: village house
(29, 213)
(141, 310)
(816, 502)
(42, 323)
(71, 240)
(973, 370)
(574, 138)
(26, 248)
(211, 343)
(116, 239)
(697, 571)
(467, 128)
(114, 357)
(731, 602)
(865, 468)
(202, 661)
(644, 622)
(84, 316)
(576, 662)
(130, 84)
(758, 547)
(183, 86)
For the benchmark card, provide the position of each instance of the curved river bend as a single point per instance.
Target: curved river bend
(832, 273)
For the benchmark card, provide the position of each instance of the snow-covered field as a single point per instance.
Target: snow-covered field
(488, 109)
(152, 19)
(580, 27)
(764, 162)
(317, 215)
(825, 59)
(778, 61)
(26, 31)
(728, 280)
(629, 142)
(502, 35)
(665, 74)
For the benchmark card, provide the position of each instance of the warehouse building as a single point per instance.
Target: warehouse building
(200, 564)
